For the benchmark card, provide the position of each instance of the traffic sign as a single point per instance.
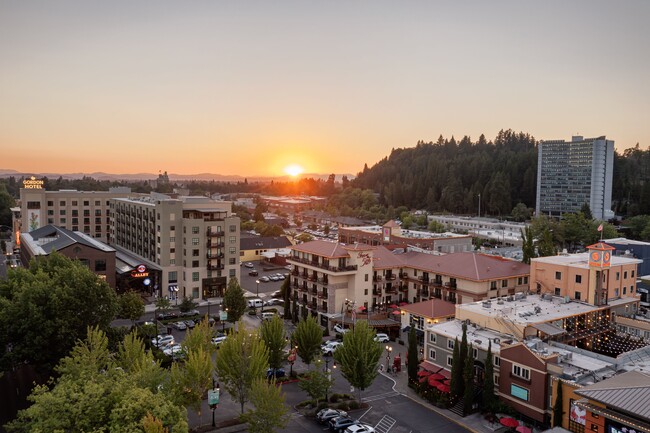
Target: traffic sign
(213, 397)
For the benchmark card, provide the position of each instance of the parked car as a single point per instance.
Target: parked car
(249, 265)
(190, 324)
(382, 338)
(272, 302)
(264, 279)
(273, 277)
(340, 423)
(211, 320)
(255, 303)
(331, 347)
(166, 315)
(162, 340)
(360, 428)
(277, 294)
(324, 415)
(340, 329)
(253, 273)
(175, 350)
(275, 373)
(280, 276)
(267, 315)
(181, 326)
(190, 313)
(218, 339)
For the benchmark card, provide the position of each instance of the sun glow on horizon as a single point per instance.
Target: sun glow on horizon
(293, 170)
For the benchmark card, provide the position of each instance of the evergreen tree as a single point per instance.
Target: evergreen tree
(286, 296)
(412, 356)
(456, 372)
(274, 336)
(489, 397)
(468, 381)
(528, 245)
(558, 410)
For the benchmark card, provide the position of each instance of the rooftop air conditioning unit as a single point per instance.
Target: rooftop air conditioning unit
(510, 298)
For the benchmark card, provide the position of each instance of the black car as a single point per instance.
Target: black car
(277, 373)
(340, 423)
(166, 316)
(253, 273)
(324, 415)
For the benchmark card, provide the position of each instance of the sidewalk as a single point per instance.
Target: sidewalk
(475, 422)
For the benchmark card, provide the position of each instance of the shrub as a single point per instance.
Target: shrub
(354, 405)
(343, 406)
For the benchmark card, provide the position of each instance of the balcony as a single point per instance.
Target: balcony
(403, 275)
(403, 288)
(392, 290)
(324, 266)
(314, 292)
(377, 278)
(215, 244)
(322, 309)
(376, 292)
(424, 293)
(295, 273)
(211, 233)
(215, 266)
(323, 281)
(391, 277)
(215, 255)
(322, 294)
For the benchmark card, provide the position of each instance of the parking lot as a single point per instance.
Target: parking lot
(248, 282)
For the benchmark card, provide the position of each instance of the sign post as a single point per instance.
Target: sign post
(213, 400)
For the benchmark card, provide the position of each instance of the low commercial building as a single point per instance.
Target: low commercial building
(252, 248)
(99, 257)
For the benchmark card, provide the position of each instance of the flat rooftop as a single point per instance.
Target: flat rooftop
(530, 309)
(581, 260)
(478, 337)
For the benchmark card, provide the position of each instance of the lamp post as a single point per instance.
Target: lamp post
(258, 295)
(327, 371)
(223, 322)
(388, 351)
(213, 398)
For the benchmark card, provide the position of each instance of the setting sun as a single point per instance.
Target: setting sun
(293, 170)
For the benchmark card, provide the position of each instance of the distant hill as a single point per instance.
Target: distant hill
(449, 175)
(4, 173)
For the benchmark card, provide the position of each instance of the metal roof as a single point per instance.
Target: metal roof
(628, 392)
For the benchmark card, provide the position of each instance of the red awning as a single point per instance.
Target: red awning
(426, 365)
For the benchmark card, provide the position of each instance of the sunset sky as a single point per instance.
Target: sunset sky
(250, 87)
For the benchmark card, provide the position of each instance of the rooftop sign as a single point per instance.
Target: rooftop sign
(33, 183)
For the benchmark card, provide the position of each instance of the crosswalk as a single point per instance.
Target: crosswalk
(380, 396)
(385, 424)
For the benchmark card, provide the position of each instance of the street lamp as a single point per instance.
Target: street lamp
(213, 398)
(327, 372)
(258, 295)
(223, 322)
(388, 351)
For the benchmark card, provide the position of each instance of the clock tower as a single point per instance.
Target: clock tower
(600, 256)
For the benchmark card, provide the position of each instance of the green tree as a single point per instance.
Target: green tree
(45, 309)
(489, 398)
(234, 301)
(143, 370)
(468, 381)
(586, 211)
(412, 356)
(456, 385)
(436, 227)
(316, 382)
(558, 409)
(163, 304)
(521, 212)
(304, 237)
(188, 304)
(294, 309)
(91, 394)
(191, 380)
(528, 245)
(200, 338)
(358, 356)
(131, 306)
(6, 203)
(286, 296)
(270, 413)
(308, 336)
(274, 336)
(242, 358)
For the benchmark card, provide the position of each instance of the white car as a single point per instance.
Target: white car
(264, 279)
(181, 326)
(218, 339)
(382, 338)
(249, 265)
(162, 340)
(340, 329)
(174, 350)
(331, 347)
(360, 428)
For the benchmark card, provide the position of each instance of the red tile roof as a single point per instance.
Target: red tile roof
(468, 266)
(322, 248)
(431, 308)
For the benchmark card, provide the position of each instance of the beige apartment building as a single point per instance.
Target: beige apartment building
(77, 211)
(191, 243)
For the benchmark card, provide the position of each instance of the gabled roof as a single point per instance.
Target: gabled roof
(322, 248)
(53, 238)
(264, 242)
(385, 259)
(468, 266)
(628, 392)
(391, 223)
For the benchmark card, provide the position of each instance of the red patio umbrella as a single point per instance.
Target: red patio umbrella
(397, 312)
(433, 382)
(424, 373)
(443, 388)
(423, 379)
(438, 376)
(362, 308)
(509, 422)
(446, 381)
(524, 429)
(393, 306)
(401, 304)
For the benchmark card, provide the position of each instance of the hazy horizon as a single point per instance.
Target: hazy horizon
(248, 88)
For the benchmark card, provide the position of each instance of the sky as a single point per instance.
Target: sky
(250, 87)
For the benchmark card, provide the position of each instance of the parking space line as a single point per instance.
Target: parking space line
(385, 424)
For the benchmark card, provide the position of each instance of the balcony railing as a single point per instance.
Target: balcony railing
(391, 290)
(215, 266)
(376, 292)
(324, 266)
(323, 281)
(403, 288)
(322, 294)
(215, 244)
(391, 277)
(322, 309)
(314, 292)
(211, 233)
(377, 278)
(215, 255)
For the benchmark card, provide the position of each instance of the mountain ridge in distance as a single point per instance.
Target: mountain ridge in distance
(99, 175)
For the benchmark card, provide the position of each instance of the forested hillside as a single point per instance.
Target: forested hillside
(450, 175)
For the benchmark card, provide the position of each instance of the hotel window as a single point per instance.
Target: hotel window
(594, 427)
(61, 220)
(450, 344)
(432, 337)
(233, 239)
(98, 203)
(86, 203)
(625, 275)
(195, 263)
(74, 203)
(558, 275)
(493, 285)
(450, 360)
(475, 353)
(172, 261)
(195, 253)
(624, 290)
(98, 212)
(432, 354)
(50, 211)
(195, 230)
(366, 277)
(86, 229)
(100, 265)
(496, 379)
(50, 203)
(195, 241)
(173, 276)
(497, 361)
(75, 228)
(195, 276)
(557, 291)
(577, 296)
(504, 283)
(172, 228)
(172, 239)
(233, 228)
(195, 292)
(62, 203)
(231, 250)
(632, 274)
(578, 279)
(618, 276)
(519, 371)
(231, 261)
(525, 280)
(231, 273)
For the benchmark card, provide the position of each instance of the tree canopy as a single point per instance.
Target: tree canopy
(308, 336)
(234, 301)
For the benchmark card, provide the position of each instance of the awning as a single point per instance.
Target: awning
(173, 288)
(418, 332)
(549, 329)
